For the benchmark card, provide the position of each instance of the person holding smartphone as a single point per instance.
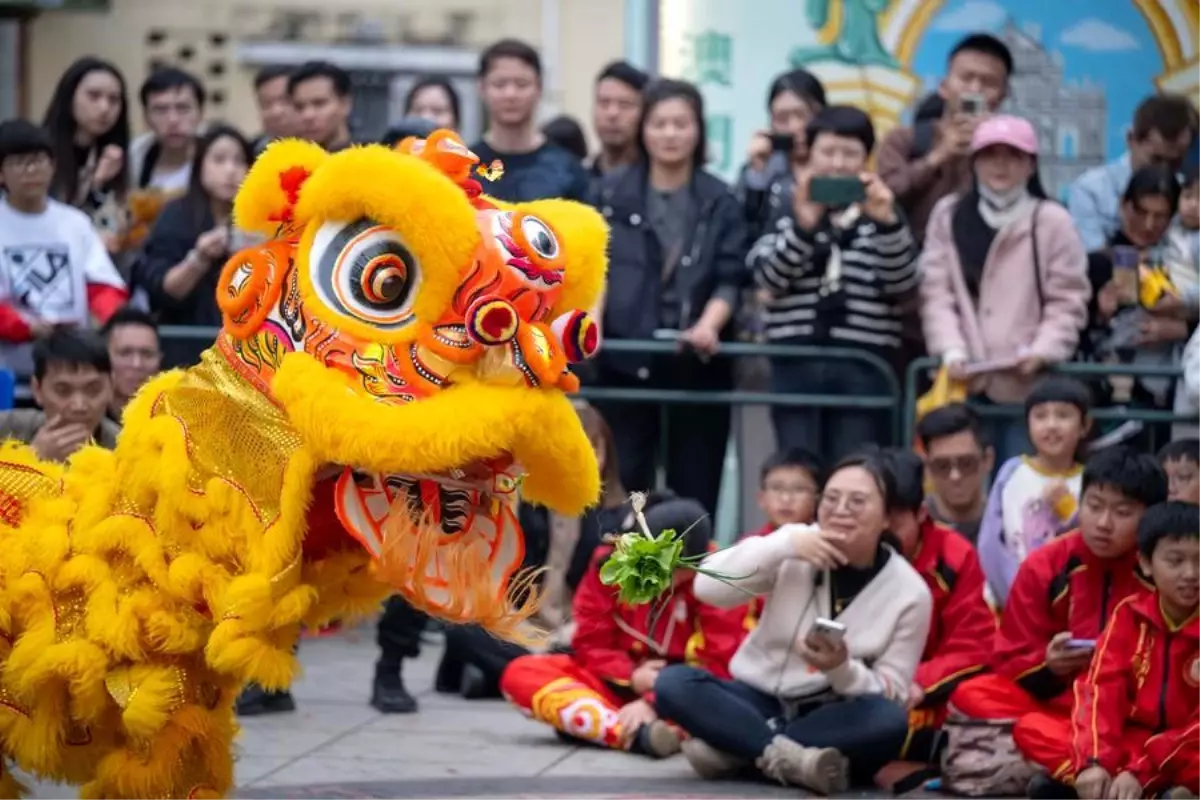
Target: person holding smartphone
(774, 155)
(820, 686)
(930, 159)
(836, 272)
(1062, 598)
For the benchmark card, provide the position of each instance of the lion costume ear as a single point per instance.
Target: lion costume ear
(268, 196)
(585, 244)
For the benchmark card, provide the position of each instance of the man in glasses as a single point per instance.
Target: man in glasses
(957, 461)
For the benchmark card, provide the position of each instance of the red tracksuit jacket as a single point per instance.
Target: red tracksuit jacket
(1144, 675)
(612, 639)
(963, 630)
(1061, 586)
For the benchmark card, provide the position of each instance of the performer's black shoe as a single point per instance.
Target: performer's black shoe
(388, 694)
(255, 701)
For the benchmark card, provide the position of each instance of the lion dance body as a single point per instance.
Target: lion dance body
(390, 375)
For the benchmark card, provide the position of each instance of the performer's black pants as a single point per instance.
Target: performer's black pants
(399, 632)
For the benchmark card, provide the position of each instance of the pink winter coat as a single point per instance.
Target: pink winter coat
(1008, 319)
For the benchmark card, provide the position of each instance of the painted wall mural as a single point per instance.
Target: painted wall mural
(1082, 66)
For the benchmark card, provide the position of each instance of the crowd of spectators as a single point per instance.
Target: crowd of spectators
(972, 611)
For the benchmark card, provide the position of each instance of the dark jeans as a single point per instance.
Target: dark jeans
(831, 433)
(472, 645)
(696, 436)
(399, 632)
(740, 720)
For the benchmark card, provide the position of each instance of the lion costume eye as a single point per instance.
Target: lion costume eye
(540, 238)
(364, 270)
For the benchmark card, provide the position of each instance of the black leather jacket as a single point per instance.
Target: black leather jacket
(712, 263)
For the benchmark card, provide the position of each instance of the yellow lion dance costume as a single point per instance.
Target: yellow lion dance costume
(391, 370)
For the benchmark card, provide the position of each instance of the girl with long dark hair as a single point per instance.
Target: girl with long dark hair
(194, 234)
(88, 120)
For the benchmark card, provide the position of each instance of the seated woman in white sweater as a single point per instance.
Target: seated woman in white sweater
(807, 709)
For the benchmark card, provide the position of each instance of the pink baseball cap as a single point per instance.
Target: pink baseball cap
(1015, 132)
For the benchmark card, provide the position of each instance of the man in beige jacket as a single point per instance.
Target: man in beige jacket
(72, 384)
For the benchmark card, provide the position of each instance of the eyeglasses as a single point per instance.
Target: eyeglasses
(27, 162)
(965, 465)
(855, 502)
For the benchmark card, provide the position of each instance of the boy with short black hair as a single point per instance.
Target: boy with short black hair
(963, 627)
(1135, 722)
(1180, 459)
(72, 383)
(54, 268)
(788, 484)
(1059, 604)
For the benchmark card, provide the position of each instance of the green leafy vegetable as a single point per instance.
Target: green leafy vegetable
(643, 565)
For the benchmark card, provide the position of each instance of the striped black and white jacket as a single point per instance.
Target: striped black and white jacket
(843, 284)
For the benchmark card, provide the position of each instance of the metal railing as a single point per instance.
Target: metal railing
(1074, 369)
(890, 402)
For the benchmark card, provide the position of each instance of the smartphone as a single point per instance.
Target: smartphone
(973, 104)
(1126, 267)
(835, 191)
(831, 630)
(1081, 644)
(782, 142)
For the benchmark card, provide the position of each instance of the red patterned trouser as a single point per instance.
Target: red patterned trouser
(555, 690)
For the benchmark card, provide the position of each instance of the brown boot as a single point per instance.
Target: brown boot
(821, 769)
(709, 762)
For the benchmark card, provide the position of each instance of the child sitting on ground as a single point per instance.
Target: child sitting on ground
(1034, 498)
(1061, 600)
(1181, 461)
(963, 628)
(1135, 724)
(603, 692)
(788, 486)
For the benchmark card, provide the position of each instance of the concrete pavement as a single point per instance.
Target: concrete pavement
(335, 745)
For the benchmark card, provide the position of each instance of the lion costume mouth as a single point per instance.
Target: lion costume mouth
(434, 485)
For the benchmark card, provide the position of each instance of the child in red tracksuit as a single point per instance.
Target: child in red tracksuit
(1063, 596)
(788, 484)
(963, 628)
(1135, 729)
(603, 691)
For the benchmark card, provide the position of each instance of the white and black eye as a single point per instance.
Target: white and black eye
(364, 270)
(539, 237)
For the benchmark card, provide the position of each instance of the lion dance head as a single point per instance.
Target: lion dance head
(417, 335)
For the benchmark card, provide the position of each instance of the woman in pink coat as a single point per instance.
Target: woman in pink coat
(1004, 275)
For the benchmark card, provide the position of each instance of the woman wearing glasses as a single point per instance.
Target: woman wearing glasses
(820, 686)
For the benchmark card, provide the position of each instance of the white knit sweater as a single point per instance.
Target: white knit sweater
(886, 622)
